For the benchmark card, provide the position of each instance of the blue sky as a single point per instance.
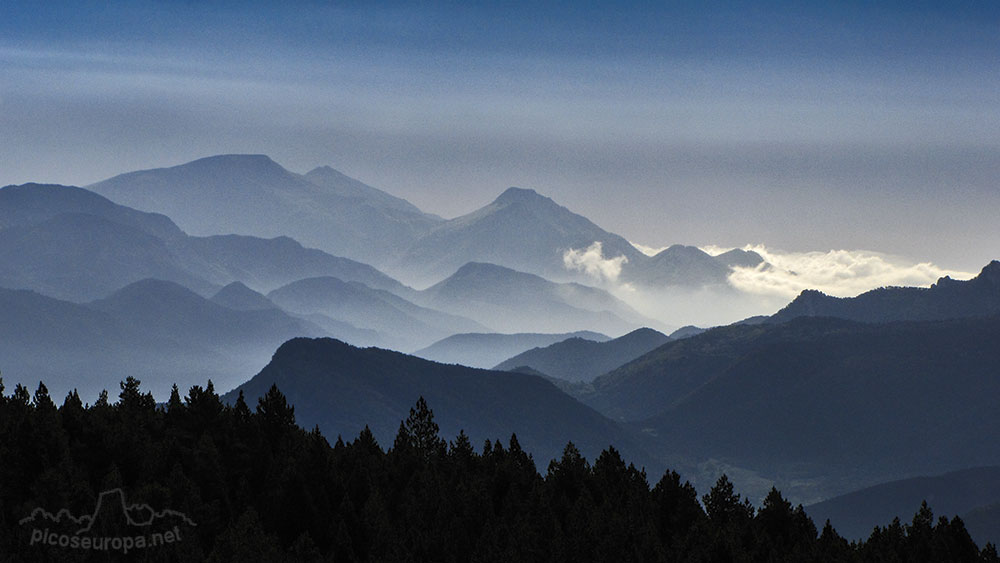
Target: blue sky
(797, 125)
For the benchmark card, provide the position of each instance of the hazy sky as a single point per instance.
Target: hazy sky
(801, 126)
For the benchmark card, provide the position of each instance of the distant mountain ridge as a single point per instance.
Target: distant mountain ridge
(73, 244)
(580, 360)
(521, 230)
(31, 203)
(165, 331)
(253, 195)
(947, 299)
(677, 265)
(403, 325)
(510, 301)
(528, 232)
(241, 298)
(81, 257)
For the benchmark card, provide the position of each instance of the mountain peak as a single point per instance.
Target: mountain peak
(256, 159)
(515, 195)
(239, 297)
(991, 271)
(475, 269)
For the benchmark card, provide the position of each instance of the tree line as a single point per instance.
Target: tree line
(260, 488)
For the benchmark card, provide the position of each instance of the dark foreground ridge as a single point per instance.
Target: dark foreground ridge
(260, 488)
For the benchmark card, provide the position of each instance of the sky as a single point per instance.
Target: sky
(797, 126)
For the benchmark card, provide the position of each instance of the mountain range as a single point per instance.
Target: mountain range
(253, 195)
(826, 396)
(325, 209)
(156, 330)
(69, 243)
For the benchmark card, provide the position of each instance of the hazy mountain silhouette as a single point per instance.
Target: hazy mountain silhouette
(483, 350)
(29, 204)
(341, 389)
(172, 311)
(267, 264)
(241, 298)
(81, 257)
(73, 244)
(855, 514)
(739, 258)
(578, 359)
(404, 324)
(156, 329)
(510, 301)
(345, 186)
(253, 195)
(521, 230)
(678, 265)
(947, 299)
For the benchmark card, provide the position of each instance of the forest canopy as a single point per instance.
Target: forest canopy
(251, 485)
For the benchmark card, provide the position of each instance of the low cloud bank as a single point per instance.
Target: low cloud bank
(592, 261)
(760, 290)
(843, 273)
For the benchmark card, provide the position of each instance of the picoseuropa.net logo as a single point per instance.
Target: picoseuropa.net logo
(113, 526)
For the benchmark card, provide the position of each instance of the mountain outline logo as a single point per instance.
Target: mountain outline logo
(113, 525)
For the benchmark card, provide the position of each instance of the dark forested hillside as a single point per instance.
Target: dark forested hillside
(828, 404)
(342, 389)
(970, 493)
(242, 483)
(947, 299)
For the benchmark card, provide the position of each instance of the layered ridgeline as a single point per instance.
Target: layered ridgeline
(401, 324)
(253, 195)
(484, 350)
(160, 329)
(580, 360)
(69, 243)
(342, 389)
(973, 494)
(521, 230)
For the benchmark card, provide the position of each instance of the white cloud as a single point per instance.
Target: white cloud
(592, 261)
(843, 273)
